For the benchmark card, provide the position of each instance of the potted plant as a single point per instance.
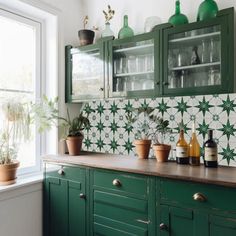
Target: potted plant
(46, 116)
(16, 127)
(86, 36)
(161, 150)
(140, 119)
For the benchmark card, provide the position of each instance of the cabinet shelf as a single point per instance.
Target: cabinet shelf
(196, 66)
(133, 74)
(195, 37)
(135, 48)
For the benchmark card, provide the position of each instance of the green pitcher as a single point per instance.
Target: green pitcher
(178, 18)
(207, 9)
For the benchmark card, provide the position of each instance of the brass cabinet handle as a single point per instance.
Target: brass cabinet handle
(199, 197)
(143, 221)
(61, 171)
(116, 183)
(163, 226)
(82, 195)
(101, 89)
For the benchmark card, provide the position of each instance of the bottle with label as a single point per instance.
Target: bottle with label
(210, 151)
(182, 150)
(194, 148)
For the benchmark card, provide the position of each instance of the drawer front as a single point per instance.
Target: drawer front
(198, 195)
(121, 182)
(64, 172)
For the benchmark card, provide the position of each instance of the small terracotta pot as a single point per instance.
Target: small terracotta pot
(74, 144)
(142, 148)
(8, 173)
(86, 37)
(162, 152)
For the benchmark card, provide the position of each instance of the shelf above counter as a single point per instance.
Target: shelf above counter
(196, 66)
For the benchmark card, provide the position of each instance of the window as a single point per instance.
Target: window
(20, 57)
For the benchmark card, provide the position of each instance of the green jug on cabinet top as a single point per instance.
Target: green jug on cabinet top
(178, 18)
(125, 31)
(207, 9)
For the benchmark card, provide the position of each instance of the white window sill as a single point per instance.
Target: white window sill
(23, 181)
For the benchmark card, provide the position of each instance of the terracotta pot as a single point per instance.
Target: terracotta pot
(8, 173)
(74, 144)
(86, 37)
(142, 148)
(162, 152)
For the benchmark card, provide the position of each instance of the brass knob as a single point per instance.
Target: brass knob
(199, 197)
(61, 171)
(82, 195)
(116, 182)
(163, 226)
(165, 83)
(101, 89)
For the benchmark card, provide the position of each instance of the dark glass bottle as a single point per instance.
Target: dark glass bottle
(195, 58)
(182, 150)
(178, 18)
(210, 151)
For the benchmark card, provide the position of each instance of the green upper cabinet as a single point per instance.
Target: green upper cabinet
(198, 57)
(133, 67)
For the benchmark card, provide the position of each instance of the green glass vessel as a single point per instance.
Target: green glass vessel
(207, 9)
(178, 18)
(125, 31)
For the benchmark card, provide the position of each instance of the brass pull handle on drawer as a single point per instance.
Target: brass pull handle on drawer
(116, 183)
(163, 227)
(144, 221)
(61, 171)
(199, 197)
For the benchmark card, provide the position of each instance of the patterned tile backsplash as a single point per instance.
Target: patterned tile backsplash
(110, 133)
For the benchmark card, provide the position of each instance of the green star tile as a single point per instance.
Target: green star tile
(204, 106)
(114, 145)
(228, 154)
(114, 108)
(100, 126)
(100, 109)
(128, 146)
(128, 128)
(88, 109)
(87, 143)
(128, 107)
(144, 105)
(228, 105)
(162, 107)
(203, 128)
(100, 144)
(183, 126)
(228, 129)
(182, 107)
(88, 127)
(114, 126)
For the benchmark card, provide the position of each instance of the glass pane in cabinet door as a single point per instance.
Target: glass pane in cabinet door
(87, 74)
(133, 67)
(194, 58)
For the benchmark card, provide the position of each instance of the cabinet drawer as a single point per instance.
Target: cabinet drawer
(125, 183)
(206, 196)
(65, 172)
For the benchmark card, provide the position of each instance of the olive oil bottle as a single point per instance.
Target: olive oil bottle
(194, 148)
(182, 150)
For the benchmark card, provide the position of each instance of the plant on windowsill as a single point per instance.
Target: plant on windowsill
(46, 115)
(86, 36)
(16, 128)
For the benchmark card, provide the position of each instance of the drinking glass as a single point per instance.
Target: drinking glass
(131, 64)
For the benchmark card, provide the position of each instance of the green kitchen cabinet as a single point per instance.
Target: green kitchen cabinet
(64, 201)
(198, 58)
(122, 204)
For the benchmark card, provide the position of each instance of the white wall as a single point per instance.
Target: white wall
(139, 10)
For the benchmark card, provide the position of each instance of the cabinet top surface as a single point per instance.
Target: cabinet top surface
(225, 176)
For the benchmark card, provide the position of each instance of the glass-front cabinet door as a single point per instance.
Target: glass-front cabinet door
(197, 58)
(85, 73)
(132, 69)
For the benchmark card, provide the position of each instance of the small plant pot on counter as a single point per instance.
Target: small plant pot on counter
(162, 152)
(74, 144)
(142, 148)
(86, 37)
(8, 173)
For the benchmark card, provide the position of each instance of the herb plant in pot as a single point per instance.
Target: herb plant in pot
(161, 150)
(140, 119)
(15, 128)
(86, 36)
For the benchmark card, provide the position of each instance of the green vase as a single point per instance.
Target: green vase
(178, 18)
(125, 31)
(207, 9)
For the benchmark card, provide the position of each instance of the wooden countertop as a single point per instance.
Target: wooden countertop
(225, 176)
